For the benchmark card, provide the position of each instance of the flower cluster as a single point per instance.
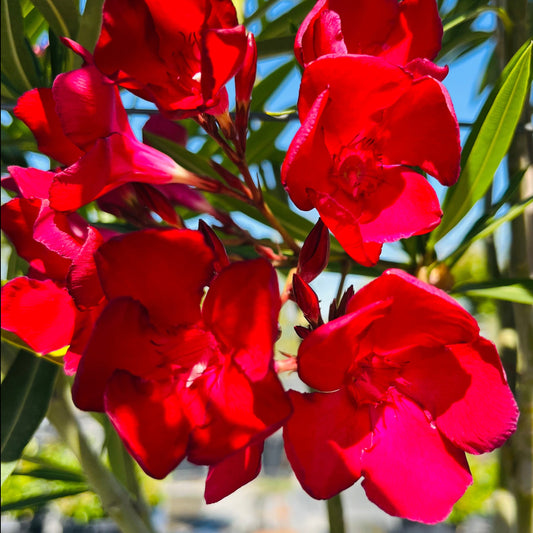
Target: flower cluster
(173, 340)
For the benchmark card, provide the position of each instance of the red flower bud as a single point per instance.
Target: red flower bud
(307, 300)
(212, 240)
(244, 79)
(314, 255)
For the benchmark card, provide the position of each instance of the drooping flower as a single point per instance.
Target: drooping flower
(405, 386)
(398, 31)
(177, 55)
(365, 124)
(81, 123)
(179, 379)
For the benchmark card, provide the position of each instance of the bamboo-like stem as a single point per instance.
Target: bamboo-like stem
(335, 515)
(115, 499)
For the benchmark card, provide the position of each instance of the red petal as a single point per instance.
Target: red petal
(244, 316)
(148, 415)
(169, 280)
(421, 130)
(37, 110)
(39, 312)
(344, 224)
(233, 472)
(327, 353)
(468, 396)
(230, 412)
(89, 106)
(307, 157)
(324, 441)
(32, 182)
(420, 315)
(411, 470)
(404, 204)
(121, 340)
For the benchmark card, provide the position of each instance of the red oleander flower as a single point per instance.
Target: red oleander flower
(399, 32)
(81, 123)
(57, 304)
(179, 379)
(365, 124)
(405, 387)
(177, 55)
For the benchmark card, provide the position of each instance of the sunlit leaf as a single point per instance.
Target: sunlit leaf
(63, 16)
(512, 290)
(266, 87)
(7, 469)
(488, 141)
(41, 499)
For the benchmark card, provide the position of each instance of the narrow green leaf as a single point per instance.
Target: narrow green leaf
(447, 25)
(488, 142)
(52, 474)
(63, 16)
(25, 394)
(266, 87)
(283, 25)
(512, 290)
(276, 46)
(17, 62)
(7, 469)
(41, 499)
(90, 24)
(261, 143)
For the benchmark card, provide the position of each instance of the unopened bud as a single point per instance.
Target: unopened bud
(307, 300)
(314, 255)
(212, 240)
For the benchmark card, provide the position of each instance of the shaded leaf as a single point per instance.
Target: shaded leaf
(25, 394)
(266, 87)
(63, 16)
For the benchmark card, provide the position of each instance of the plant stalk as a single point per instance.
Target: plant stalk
(335, 515)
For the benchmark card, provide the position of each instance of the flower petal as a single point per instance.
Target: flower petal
(244, 317)
(324, 441)
(232, 473)
(411, 470)
(148, 415)
(169, 280)
(39, 312)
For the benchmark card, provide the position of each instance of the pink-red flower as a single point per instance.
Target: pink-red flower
(365, 124)
(179, 55)
(175, 377)
(405, 386)
(399, 32)
(81, 123)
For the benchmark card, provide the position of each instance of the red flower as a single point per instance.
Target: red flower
(410, 387)
(396, 31)
(177, 379)
(177, 55)
(81, 123)
(365, 122)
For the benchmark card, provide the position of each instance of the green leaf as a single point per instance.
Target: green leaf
(90, 24)
(447, 25)
(52, 474)
(7, 469)
(488, 141)
(512, 290)
(266, 87)
(276, 46)
(63, 16)
(284, 24)
(41, 499)
(261, 143)
(18, 66)
(25, 394)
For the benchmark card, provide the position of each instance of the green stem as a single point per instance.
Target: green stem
(115, 499)
(335, 515)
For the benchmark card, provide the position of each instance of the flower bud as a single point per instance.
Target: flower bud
(307, 300)
(212, 240)
(314, 254)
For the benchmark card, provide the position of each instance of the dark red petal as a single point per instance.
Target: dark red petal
(327, 353)
(306, 299)
(307, 158)
(404, 204)
(420, 314)
(223, 52)
(421, 130)
(37, 110)
(344, 224)
(325, 439)
(32, 182)
(233, 472)
(244, 316)
(148, 415)
(420, 67)
(411, 470)
(230, 412)
(121, 340)
(165, 270)
(161, 126)
(468, 397)
(314, 255)
(82, 281)
(18, 218)
(89, 106)
(39, 312)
